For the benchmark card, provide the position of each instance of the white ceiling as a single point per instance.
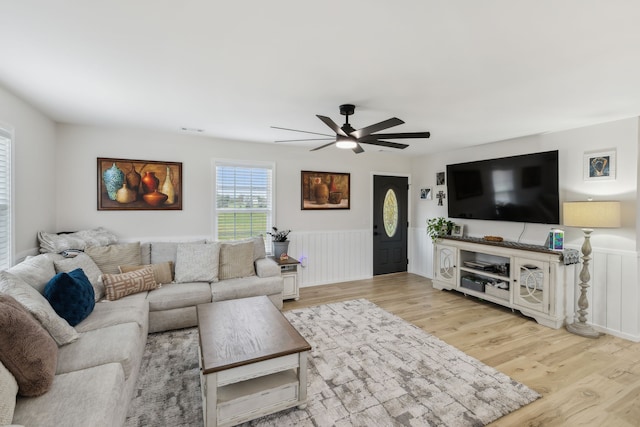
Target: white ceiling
(468, 71)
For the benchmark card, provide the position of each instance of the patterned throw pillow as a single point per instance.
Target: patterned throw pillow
(26, 349)
(39, 307)
(161, 272)
(236, 260)
(120, 285)
(71, 296)
(197, 262)
(108, 258)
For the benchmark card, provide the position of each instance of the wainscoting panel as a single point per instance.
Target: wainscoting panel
(332, 256)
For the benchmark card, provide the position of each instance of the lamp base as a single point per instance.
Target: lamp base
(583, 330)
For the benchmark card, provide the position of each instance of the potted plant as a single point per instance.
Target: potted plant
(438, 226)
(279, 241)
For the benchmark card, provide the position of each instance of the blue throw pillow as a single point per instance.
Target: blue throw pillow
(71, 296)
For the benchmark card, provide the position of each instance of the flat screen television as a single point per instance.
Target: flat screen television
(518, 188)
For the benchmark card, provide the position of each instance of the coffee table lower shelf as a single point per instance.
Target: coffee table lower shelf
(247, 392)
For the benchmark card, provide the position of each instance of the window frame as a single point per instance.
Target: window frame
(244, 164)
(7, 133)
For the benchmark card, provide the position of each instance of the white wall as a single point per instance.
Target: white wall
(34, 171)
(79, 146)
(614, 296)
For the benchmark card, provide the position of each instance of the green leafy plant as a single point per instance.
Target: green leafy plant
(279, 235)
(438, 226)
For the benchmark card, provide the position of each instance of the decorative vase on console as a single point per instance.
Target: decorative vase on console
(167, 188)
(113, 179)
(150, 182)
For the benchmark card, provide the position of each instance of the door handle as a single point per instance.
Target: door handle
(375, 233)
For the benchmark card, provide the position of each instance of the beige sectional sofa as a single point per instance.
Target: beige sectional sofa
(96, 371)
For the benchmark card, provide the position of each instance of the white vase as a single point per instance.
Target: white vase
(167, 188)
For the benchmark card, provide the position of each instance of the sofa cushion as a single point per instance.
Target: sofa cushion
(161, 272)
(89, 397)
(259, 250)
(178, 295)
(39, 307)
(267, 267)
(108, 258)
(236, 260)
(120, 285)
(245, 287)
(133, 308)
(87, 265)
(197, 262)
(26, 349)
(8, 392)
(36, 271)
(71, 296)
(121, 344)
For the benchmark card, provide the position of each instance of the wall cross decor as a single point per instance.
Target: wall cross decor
(440, 196)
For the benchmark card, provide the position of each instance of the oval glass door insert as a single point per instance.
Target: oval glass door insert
(390, 213)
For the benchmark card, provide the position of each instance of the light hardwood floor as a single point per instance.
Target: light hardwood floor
(583, 382)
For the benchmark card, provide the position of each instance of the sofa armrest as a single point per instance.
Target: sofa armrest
(266, 267)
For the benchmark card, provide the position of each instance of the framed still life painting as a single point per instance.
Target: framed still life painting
(139, 185)
(325, 190)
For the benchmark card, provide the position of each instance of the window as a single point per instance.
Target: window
(6, 242)
(244, 199)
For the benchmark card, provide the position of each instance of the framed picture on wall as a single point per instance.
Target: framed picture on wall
(426, 194)
(440, 178)
(139, 185)
(600, 165)
(325, 190)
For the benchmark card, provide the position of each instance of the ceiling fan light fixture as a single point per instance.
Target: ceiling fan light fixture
(346, 143)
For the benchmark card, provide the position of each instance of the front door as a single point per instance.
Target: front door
(390, 224)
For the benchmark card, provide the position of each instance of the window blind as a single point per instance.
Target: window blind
(244, 200)
(5, 199)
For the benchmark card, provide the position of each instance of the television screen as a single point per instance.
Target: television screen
(518, 188)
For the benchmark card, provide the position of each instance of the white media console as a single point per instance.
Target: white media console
(526, 278)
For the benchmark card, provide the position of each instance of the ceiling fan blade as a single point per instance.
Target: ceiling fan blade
(306, 139)
(402, 135)
(303, 131)
(323, 146)
(394, 121)
(358, 149)
(327, 121)
(386, 144)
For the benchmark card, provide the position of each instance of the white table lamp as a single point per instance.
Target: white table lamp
(587, 216)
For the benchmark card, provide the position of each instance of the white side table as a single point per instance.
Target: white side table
(289, 272)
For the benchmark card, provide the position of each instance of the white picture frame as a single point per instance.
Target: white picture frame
(600, 165)
(457, 230)
(426, 193)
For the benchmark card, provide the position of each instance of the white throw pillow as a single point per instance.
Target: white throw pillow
(36, 271)
(91, 270)
(39, 307)
(197, 262)
(8, 392)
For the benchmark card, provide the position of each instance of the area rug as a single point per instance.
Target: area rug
(368, 367)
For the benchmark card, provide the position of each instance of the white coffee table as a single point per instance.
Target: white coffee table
(252, 361)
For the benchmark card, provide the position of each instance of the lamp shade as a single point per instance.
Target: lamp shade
(591, 214)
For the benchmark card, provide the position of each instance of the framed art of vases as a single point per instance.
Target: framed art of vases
(139, 185)
(325, 190)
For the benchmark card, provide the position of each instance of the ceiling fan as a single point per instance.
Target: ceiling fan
(349, 138)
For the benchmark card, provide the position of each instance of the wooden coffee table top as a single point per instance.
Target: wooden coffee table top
(243, 331)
